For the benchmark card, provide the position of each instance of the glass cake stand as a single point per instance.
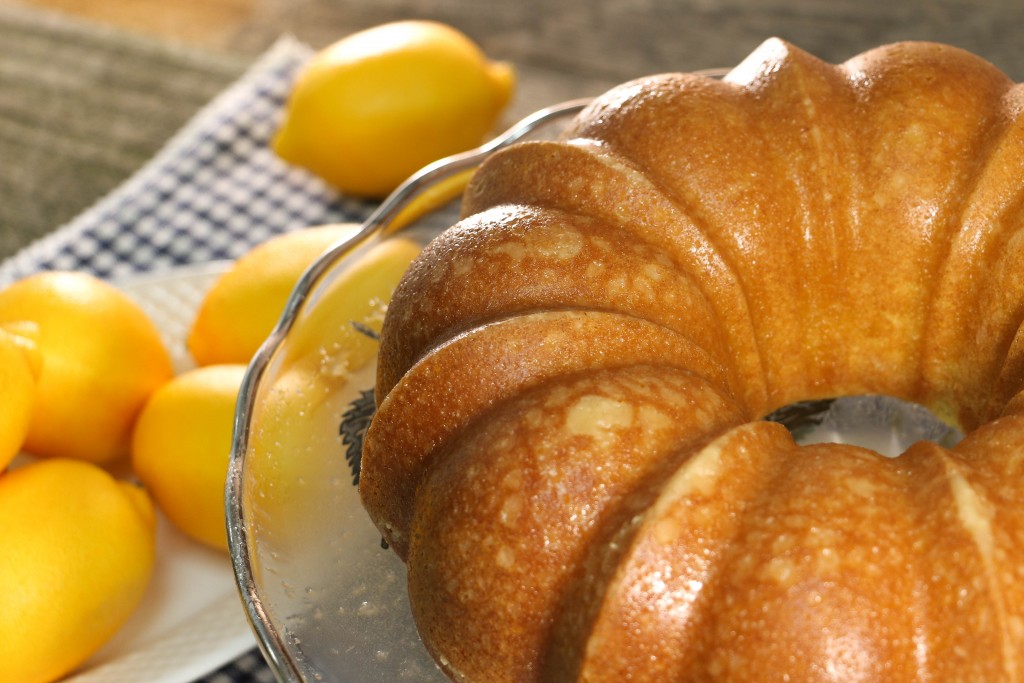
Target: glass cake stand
(325, 600)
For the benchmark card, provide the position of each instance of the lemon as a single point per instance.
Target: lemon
(19, 368)
(376, 106)
(25, 335)
(431, 197)
(337, 335)
(296, 458)
(101, 358)
(296, 417)
(181, 447)
(244, 304)
(78, 552)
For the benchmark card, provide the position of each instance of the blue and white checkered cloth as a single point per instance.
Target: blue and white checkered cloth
(249, 668)
(215, 190)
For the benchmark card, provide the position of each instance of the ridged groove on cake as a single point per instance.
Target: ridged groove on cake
(522, 258)
(432, 404)
(606, 437)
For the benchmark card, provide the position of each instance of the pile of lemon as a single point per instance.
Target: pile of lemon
(87, 384)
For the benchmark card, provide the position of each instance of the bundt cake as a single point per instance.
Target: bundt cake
(569, 450)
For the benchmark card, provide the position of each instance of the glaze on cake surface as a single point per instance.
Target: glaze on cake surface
(569, 452)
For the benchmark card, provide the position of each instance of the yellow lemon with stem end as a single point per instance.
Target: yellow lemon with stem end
(181, 447)
(376, 106)
(101, 359)
(19, 368)
(244, 304)
(78, 553)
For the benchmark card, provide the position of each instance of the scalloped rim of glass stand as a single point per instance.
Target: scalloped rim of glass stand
(271, 642)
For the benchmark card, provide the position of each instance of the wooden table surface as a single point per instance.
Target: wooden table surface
(562, 49)
(606, 38)
(569, 47)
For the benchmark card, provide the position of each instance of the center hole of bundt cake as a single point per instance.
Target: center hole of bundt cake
(884, 424)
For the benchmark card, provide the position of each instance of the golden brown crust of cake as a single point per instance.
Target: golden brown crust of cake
(567, 448)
